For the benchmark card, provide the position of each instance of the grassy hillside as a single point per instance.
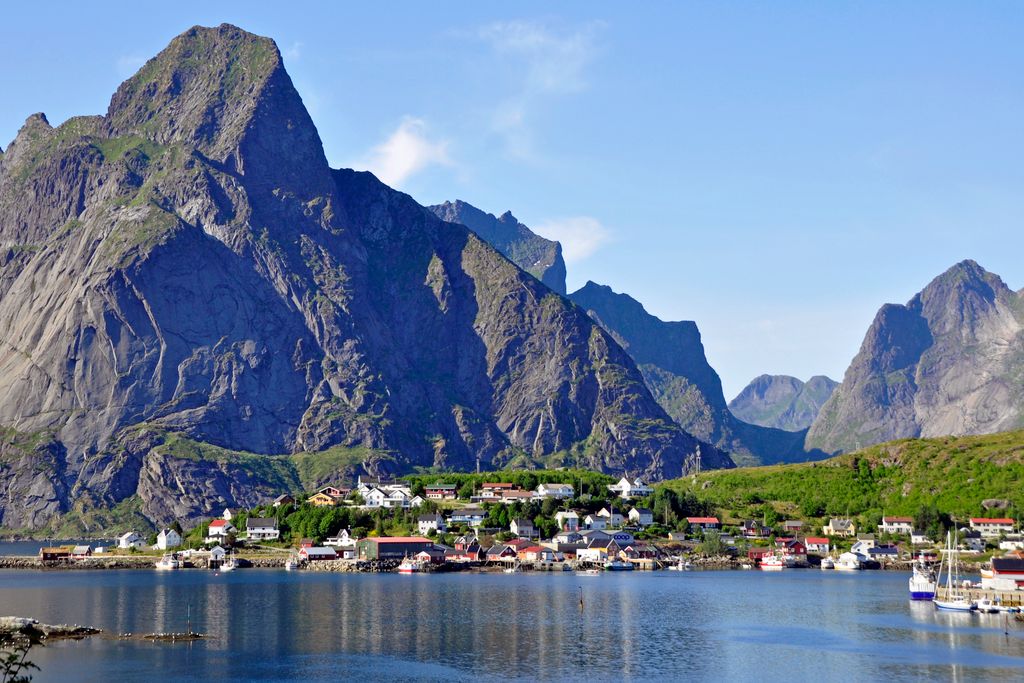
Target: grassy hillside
(949, 475)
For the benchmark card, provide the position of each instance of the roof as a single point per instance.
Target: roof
(837, 522)
(218, 523)
(641, 511)
(431, 518)
(900, 520)
(497, 485)
(567, 513)
(260, 521)
(399, 539)
(702, 520)
(440, 486)
(522, 521)
(282, 497)
(317, 550)
(997, 520)
(80, 549)
(819, 540)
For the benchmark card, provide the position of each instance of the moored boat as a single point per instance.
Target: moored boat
(954, 600)
(588, 572)
(828, 563)
(291, 564)
(167, 562)
(410, 566)
(618, 566)
(773, 562)
(848, 562)
(922, 581)
(229, 564)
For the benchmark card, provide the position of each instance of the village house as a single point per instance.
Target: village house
(219, 530)
(792, 526)
(536, 553)
(641, 517)
(620, 536)
(130, 540)
(80, 552)
(595, 522)
(863, 544)
(612, 518)
(473, 516)
(792, 548)
(261, 529)
(844, 528)
(567, 537)
(467, 549)
(217, 555)
(516, 496)
(557, 491)
(630, 489)
(496, 489)
(440, 491)
(972, 540)
(55, 554)
(283, 499)
(818, 544)
(322, 500)
(751, 528)
(897, 525)
(598, 551)
(228, 514)
(1012, 542)
(500, 552)
(703, 523)
(919, 538)
(428, 523)
(391, 548)
(341, 540)
(567, 520)
(317, 554)
(992, 528)
(167, 539)
(523, 528)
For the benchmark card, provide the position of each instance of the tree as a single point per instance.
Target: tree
(712, 543)
(14, 649)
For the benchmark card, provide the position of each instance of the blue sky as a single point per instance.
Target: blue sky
(774, 171)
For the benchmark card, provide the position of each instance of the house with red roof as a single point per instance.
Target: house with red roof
(818, 544)
(991, 528)
(219, 530)
(704, 523)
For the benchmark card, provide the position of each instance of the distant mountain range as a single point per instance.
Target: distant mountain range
(187, 270)
(950, 361)
(782, 402)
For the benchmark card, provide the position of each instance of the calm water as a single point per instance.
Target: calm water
(273, 625)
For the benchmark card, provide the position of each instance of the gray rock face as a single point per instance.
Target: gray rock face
(540, 257)
(189, 263)
(782, 402)
(949, 362)
(675, 368)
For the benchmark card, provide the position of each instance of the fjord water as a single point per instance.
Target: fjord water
(713, 626)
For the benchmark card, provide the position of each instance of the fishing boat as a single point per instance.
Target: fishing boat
(986, 606)
(618, 566)
(828, 563)
(848, 562)
(291, 564)
(410, 566)
(773, 562)
(589, 572)
(954, 600)
(229, 564)
(680, 565)
(168, 561)
(922, 581)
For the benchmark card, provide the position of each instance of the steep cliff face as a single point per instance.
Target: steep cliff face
(782, 402)
(949, 362)
(541, 258)
(671, 357)
(190, 263)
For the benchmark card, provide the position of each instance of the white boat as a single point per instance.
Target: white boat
(618, 566)
(229, 564)
(773, 562)
(168, 561)
(410, 566)
(986, 606)
(848, 562)
(589, 572)
(680, 565)
(746, 565)
(828, 563)
(291, 564)
(954, 600)
(922, 581)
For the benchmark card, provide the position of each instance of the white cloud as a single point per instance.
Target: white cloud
(580, 236)
(293, 53)
(549, 63)
(406, 152)
(127, 65)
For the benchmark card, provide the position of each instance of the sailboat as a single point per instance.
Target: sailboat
(955, 600)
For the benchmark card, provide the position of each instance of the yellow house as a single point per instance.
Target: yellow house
(840, 527)
(322, 500)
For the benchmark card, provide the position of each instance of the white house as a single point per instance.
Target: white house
(416, 501)
(863, 544)
(342, 540)
(228, 514)
(595, 522)
(523, 528)
(817, 544)
(897, 525)
(433, 523)
(641, 517)
(611, 517)
(567, 520)
(167, 539)
(217, 553)
(559, 491)
(219, 529)
(631, 489)
(991, 528)
(262, 529)
(972, 540)
(469, 515)
(1012, 542)
(918, 538)
(131, 540)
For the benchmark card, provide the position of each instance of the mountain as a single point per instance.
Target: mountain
(782, 402)
(541, 258)
(190, 296)
(671, 357)
(950, 361)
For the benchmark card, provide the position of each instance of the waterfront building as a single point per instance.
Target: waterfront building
(818, 544)
(391, 548)
(318, 554)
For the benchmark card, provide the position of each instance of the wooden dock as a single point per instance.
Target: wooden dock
(1007, 598)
